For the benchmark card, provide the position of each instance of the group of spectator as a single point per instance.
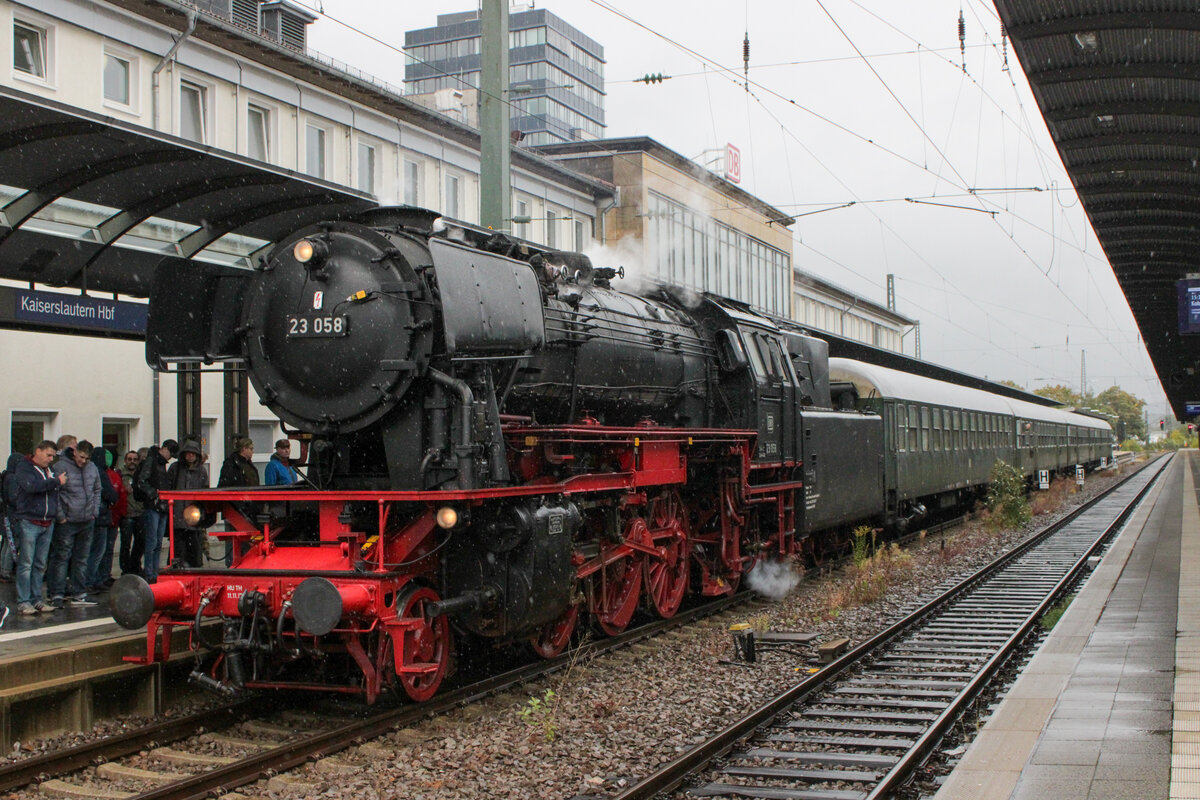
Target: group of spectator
(67, 508)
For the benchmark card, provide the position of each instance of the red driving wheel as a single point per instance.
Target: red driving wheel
(554, 636)
(667, 573)
(426, 641)
(619, 584)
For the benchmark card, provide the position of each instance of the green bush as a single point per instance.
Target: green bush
(1132, 445)
(862, 545)
(1006, 497)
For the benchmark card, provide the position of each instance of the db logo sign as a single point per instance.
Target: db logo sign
(733, 164)
(318, 300)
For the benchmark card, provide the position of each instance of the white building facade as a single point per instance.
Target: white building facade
(194, 72)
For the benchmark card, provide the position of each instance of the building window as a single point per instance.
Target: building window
(116, 435)
(117, 75)
(551, 224)
(27, 429)
(263, 436)
(258, 137)
(31, 49)
(579, 235)
(412, 183)
(314, 151)
(193, 107)
(450, 207)
(521, 229)
(366, 168)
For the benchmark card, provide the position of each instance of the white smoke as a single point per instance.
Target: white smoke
(625, 253)
(773, 579)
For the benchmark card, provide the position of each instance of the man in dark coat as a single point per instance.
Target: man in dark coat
(35, 507)
(152, 477)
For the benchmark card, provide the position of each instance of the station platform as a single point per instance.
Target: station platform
(1109, 706)
(21, 635)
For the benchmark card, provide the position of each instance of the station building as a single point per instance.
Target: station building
(823, 306)
(678, 222)
(237, 76)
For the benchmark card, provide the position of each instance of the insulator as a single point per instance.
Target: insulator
(962, 39)
(746, 49)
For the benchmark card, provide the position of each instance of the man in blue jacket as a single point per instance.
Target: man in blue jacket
(279, 469)
(35, 509)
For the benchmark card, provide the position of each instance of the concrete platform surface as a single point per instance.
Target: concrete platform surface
(1109, 707)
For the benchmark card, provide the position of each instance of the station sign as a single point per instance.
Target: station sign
(71, 313)
(1192, 408)
(1189, 305)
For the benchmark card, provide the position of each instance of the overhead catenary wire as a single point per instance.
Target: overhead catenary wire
(1024, 132)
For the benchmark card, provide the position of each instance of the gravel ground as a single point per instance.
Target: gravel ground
(611, 720)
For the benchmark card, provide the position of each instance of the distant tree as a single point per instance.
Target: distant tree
(1061, 394)
(1125, 407)
(1011, 384)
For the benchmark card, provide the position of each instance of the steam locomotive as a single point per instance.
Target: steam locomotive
(500, 445)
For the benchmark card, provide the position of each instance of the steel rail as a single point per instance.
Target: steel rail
(917, 754)
(671, 775)
(28, 770)
(293, 754)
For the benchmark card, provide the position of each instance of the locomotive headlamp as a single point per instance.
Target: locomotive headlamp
(310, 252)
(446, 517)
(192, 516)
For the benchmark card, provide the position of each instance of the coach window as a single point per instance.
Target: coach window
(913, 428)
(901, 427)
(958, 438)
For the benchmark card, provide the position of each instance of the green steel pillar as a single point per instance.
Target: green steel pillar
(495, 195)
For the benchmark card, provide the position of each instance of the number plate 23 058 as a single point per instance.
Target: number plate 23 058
(317, 327)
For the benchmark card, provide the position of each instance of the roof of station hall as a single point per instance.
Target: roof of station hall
(1118, 83)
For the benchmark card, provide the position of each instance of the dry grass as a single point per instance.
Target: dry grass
(1052, 499)
(865, 583)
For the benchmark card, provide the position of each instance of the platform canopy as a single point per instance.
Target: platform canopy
(94, 203)
(1118, 83)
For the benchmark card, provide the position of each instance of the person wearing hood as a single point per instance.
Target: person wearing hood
(189, 472)
(78, 507)
(35, 506)
(99, 563)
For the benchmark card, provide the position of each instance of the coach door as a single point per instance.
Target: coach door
(775, 389)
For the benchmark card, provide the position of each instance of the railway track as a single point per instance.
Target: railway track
(859, 728)
(218, 750)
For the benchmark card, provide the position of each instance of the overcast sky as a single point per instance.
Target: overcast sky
(862, 101)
